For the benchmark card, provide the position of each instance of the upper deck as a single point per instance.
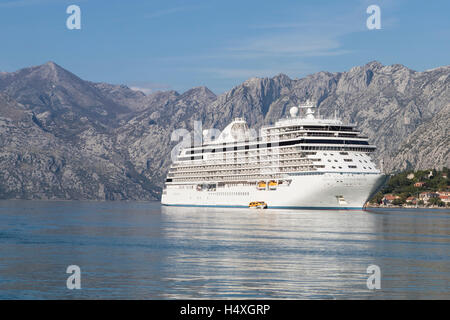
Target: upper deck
(309, 125)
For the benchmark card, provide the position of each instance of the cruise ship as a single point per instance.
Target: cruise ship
(301, 162)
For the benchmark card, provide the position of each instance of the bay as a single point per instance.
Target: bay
(141, 250)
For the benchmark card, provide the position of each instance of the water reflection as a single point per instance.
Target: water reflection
(308, 254)
(142, 251)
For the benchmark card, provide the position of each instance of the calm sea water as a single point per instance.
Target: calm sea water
(136, 250)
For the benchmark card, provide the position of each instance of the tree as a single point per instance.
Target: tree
(377, 198)
(436, 202)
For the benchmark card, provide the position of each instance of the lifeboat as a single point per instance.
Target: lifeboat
(258, 205)
(273, 185)
(261, 185)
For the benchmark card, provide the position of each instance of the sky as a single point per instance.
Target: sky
(177, 45)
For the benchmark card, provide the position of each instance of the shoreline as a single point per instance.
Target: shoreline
(368, 207)
(407, 207)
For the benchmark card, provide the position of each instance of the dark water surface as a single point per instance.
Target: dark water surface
(136, 250)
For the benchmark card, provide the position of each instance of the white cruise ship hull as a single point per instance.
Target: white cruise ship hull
(306, 191)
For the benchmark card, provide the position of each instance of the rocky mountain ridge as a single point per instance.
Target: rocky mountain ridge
(62, 137)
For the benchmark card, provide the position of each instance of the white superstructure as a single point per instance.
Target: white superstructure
(300, 162)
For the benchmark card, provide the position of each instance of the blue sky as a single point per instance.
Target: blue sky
(161, 45)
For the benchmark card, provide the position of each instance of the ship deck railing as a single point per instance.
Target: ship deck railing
(196, 175)
(254, 164)
(219, 159)
(230, 170)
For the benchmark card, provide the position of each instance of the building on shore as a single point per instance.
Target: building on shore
(444, 196)
(388, 199)
(419, 184)
(411, 200)
(426, 196)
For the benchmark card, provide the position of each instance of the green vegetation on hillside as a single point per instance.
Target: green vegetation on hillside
(404, 185)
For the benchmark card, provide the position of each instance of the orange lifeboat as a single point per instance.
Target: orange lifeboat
(261, 185)
(273, 185)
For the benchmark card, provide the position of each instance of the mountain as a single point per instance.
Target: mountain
(62, 103)
(62, 137)
(427, 146)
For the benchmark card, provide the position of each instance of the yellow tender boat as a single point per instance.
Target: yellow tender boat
(258, 205)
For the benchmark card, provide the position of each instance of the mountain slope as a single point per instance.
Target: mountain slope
(62, 137)
(35, 164)
(63, 103)
(428, 145)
